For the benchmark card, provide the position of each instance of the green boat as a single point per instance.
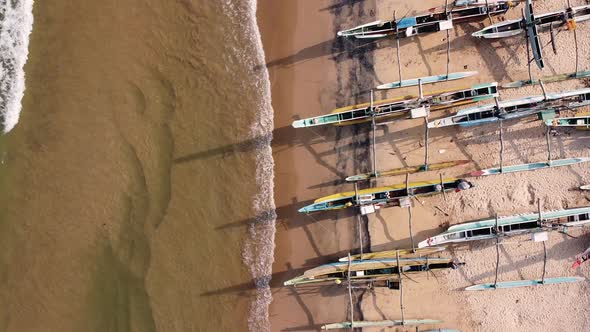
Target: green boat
(547, 79)
(380, 323)
(524, 283)
(578, 122)
(401, 107)
(530, 167)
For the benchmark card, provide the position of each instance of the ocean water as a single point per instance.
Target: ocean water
(137, 180)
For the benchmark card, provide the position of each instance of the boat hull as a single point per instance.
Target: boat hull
(484, 229)
(400, 108)
(382, 196)
(403, 253)
(578, 122)
(426, 80)
(515, 109)
(380, 323)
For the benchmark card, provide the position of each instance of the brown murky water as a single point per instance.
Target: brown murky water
(129, 181)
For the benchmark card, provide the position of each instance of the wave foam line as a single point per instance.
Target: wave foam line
(16, 24)
(258, 251)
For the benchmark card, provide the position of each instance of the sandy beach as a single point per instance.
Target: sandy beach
(312, 73)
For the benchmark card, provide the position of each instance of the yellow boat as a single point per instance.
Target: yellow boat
(382, 196)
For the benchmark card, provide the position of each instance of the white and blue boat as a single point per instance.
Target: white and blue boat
(515, 108)
(485, 229)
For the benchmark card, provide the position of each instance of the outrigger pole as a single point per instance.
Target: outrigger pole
(522, 283)
(528, 50)
(399, 64)
(401, 289)
(373, 129)
(350, 294)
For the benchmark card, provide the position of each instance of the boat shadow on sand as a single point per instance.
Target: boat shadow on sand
(324, 142)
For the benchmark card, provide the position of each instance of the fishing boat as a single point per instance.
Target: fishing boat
(516, 108)
(511, 28)
(379, 323)
(530, 167)
(370, 270)
(426, 80)
(524, 283)
(485, 229)
(580, 121)
(400, 108)
(382, 196)
(418, 252)
(406, 170)
(581, 258)
(425, 23)
(531, 23)
(547, 79)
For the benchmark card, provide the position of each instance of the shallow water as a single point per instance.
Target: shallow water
(138, 181)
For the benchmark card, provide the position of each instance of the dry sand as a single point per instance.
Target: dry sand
(311, 75)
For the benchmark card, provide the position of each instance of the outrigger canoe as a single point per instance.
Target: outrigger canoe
(579, 122)
(485, 229)
(379, 323)
(406, 170)
(382, 196)
(511, 28)
(400, 108)
(530, 167)
(370, 270)
(426, 23)
(405, 253)
(515, 108)
(427, 80)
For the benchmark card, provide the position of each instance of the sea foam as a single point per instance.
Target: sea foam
(16, 24)
(258, 251)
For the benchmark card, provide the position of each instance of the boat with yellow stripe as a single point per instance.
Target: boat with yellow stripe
(382, 196)
(371, 270)
(400, 108)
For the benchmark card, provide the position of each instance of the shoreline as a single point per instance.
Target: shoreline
(311, 72)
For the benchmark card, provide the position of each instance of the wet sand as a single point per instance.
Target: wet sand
(310, 74)
(308, 79)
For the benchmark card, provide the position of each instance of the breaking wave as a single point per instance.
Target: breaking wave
(16, 24)
(258, 251)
